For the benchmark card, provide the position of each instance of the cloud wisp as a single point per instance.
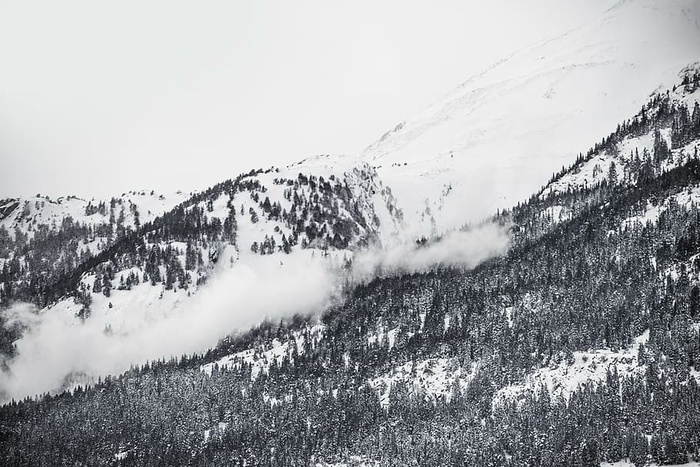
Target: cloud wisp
(462, 248)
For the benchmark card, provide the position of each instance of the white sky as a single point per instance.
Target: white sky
(97, 98)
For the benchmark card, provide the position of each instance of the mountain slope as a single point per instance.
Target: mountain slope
(499, 136)
(579, 346)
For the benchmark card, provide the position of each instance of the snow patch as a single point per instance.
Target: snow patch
(353, 461)
(564, 378)
(260, 359)
(687, 198)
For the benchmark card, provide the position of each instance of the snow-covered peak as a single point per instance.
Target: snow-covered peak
(347, 188)
(500, 135)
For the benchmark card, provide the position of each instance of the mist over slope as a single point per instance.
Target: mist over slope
(498, 137)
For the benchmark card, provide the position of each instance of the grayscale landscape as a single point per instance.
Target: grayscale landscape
(367, 234)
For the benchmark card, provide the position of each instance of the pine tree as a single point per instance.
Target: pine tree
(612, 174)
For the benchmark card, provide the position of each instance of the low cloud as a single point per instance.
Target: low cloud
(463, 248)
(58, 351)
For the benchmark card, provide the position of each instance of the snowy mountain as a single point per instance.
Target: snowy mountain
(576, 343)
(500, 135)
(578, 346)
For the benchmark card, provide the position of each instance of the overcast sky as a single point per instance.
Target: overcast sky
(97, 98)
